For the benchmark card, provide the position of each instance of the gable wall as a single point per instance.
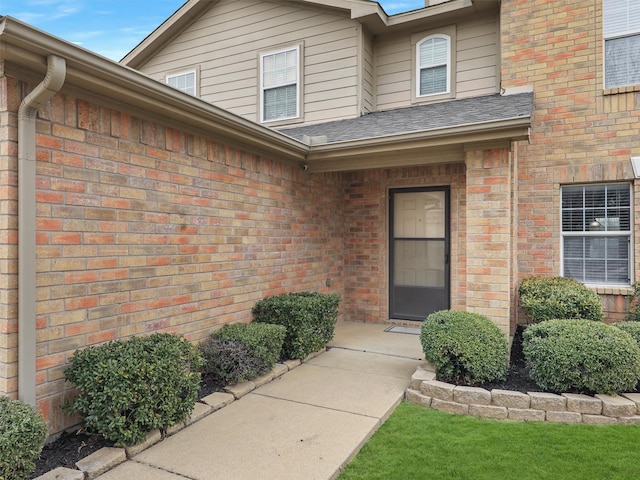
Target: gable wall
(143, 228)
(580, 133)
(477, 62)
(225, 42)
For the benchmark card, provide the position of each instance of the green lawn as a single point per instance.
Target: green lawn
(418, 443)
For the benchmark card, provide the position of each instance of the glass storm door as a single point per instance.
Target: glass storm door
(419, 250)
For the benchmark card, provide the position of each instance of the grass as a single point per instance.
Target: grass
(420, 443)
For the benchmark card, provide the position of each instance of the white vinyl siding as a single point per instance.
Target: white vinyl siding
(596, 233)
(621, 43)
(279, 83)
(183, 81)
(226, 41)
(433, 65)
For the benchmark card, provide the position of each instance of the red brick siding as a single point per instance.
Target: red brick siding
(580, 132)
(143, 228)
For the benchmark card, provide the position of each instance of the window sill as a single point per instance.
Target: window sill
(618, 90)
(612, 290)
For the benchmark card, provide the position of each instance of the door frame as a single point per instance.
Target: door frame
(447, 247)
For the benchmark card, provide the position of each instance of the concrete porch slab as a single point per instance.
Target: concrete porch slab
(257, 436)
(371, 337)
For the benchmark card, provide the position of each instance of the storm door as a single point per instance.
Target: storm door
(419, 252)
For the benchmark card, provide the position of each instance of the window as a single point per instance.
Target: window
(596, 233)
(185, 82)
(279, 84)
(433, 56)
(621, 43)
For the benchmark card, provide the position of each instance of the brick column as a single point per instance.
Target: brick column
(489, 235)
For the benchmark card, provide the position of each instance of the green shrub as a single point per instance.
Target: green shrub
(464, 347)
(230, 361)
(22, 434)
(549, 298)
(309, 318)
(241, 352)
(129, 387)
(634, 304)
(631, 327)
(581, 357)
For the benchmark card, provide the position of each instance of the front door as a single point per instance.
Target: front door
(419, 252)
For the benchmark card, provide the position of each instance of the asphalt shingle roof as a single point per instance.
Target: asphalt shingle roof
(420, 118)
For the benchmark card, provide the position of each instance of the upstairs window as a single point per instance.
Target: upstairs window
(596, 233)
(280, 84)
(184, 81)
(433, 55)
(621, 43)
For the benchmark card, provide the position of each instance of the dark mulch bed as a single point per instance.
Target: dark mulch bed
(518, 376)
(75, 445)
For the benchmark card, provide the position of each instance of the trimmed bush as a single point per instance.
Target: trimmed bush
(631, 327)
(229, 361)
(549, 298)
(309, 318)
(634, 304)
(464, 347)
(241, 352)
(129, 387)
(22, 435)
(581, 357)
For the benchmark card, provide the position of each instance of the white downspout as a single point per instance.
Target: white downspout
(52, 83)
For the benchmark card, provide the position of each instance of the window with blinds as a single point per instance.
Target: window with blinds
(621, 42)
(433, 57)
(596, 233)
(280, 84)
(184, 81)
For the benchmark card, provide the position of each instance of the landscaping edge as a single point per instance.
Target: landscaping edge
(107, 458)
(532, 406)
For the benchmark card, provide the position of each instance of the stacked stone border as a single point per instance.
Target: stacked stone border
(499, 404)
(94, 465)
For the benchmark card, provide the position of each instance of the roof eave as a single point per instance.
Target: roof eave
(25, 49)
(416, 148)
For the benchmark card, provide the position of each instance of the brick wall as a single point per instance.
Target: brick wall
(143, 228)
(581, 133)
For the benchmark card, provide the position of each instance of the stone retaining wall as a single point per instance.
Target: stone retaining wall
(532, 406)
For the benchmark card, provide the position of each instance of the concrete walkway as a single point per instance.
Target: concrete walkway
(304, 425)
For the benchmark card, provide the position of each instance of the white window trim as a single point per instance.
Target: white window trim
(613, 36)
(420, 67)
(297, 49)
(628, 234)
(193, 71)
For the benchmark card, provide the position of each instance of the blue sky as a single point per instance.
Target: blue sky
(113, 27)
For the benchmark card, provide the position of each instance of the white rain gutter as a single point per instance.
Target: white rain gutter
(27, 114)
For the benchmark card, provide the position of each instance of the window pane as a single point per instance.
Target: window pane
(433, 80)
(280, 102)
(279, 68)
(597, 259)
(433, 52)
(622, 61)
(596, 208)
(621, 16)
(184, 82)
